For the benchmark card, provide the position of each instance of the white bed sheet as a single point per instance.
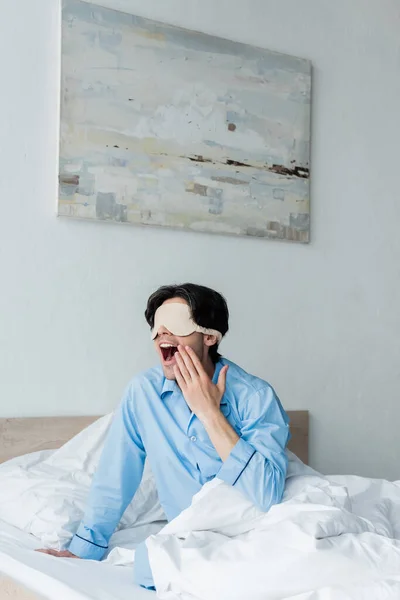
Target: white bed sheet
(69, 579)
(332, 538)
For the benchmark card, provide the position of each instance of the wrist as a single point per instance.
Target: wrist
(211, 418)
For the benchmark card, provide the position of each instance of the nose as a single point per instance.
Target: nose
(162, 330)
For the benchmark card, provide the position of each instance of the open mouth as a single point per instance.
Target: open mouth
(168, 351)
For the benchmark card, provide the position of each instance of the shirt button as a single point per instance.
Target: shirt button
(193, 438)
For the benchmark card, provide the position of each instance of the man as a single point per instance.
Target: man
(196, 417)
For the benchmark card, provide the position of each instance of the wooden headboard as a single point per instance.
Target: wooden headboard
(22, 436)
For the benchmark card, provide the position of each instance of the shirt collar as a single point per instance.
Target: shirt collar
(170, 385)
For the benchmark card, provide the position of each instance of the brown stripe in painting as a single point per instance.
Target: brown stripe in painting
(69, 179)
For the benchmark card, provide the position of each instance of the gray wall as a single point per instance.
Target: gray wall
(321, 322)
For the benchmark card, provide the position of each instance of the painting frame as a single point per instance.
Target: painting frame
(216, 140)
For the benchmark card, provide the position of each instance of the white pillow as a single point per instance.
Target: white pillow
(45, 493)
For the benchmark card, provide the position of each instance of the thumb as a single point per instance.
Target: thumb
(221, 384)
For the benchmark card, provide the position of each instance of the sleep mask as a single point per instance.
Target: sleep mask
(177, 318)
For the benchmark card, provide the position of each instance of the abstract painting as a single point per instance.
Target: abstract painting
(168, 127)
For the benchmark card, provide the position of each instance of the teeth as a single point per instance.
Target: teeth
(167, 346)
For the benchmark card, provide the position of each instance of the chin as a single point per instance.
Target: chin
(169, 373)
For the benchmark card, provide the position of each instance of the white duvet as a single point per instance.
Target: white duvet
(336, 539)
(45, 493)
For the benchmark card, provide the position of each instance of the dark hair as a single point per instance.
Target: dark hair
(209, 308)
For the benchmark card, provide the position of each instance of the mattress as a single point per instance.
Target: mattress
(29, 575)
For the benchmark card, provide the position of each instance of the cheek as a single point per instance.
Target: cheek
(198, 346)
(195, 341)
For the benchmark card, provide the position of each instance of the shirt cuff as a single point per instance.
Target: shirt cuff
(236, 462)
(83, 548)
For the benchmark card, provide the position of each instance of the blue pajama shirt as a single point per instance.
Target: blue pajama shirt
(154, 421)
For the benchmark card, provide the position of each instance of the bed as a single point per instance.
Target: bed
(22, 436)
(26, 575)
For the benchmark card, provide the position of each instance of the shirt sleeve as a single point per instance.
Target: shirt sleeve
(114, 484)
(257, 464)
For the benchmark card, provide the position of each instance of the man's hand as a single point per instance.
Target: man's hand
(202, 395)
(59, 553)
(204, 398)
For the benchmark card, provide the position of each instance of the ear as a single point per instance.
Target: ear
(210, 340)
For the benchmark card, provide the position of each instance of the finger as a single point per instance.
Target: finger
(179, 379)
(187, 359)
(182, 367)
(221, 384)
(47, 551)
(196, 361)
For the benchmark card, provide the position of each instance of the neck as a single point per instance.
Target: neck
(209, 367)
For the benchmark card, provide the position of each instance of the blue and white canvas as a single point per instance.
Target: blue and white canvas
(168, 127)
